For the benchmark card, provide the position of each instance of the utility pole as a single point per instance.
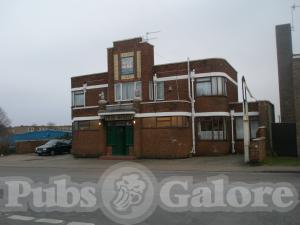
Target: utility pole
(246, 124)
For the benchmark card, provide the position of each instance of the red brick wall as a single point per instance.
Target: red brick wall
(89, 143)
(23, 147)
(166, 143)
(211, 148)
(90, 79)
(211, 104)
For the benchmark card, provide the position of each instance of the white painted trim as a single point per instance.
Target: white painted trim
(116, 113)
(160, 114)
(296, 56)
(250, 114)
(83, 118)
(204, 114)
(180, 77)
(157, 114)
(198, 75)
(185, 101)
(120, 104)
(86, 107)
(90, 87)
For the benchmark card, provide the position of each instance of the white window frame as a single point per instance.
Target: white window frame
(156, 91)
(121, 91)
(73, 98)
(151, 90)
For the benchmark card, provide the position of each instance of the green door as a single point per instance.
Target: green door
(119, 146)
(120, 138)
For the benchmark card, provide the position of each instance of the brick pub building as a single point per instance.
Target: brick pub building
(143, 110)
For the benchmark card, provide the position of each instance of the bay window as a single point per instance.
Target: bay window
(211, 86)
(128, 91)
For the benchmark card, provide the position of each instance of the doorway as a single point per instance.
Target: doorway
(120, 137)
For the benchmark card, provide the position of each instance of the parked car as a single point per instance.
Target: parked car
(54, 147)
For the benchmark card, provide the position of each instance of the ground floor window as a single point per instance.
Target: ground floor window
(165, 122)
(86, 125)
(239, 129)
(212, 128)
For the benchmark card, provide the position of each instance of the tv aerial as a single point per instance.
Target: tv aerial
(148, 36)
(293, 9)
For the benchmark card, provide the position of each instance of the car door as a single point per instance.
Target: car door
(59, 147)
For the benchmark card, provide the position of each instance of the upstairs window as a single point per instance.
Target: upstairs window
(160, 90)
(151, 92)
(211, 86)
(128, 91)
(127, 65)
(78, 99)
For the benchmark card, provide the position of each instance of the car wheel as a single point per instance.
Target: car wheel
(52, 153)
(40, 154)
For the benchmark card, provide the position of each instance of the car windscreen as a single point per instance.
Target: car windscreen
(51, 143)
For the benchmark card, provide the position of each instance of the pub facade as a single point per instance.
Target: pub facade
(140, 110)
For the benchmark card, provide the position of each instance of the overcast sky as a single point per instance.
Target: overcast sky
(45, 42)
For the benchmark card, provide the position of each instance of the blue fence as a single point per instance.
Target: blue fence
(40, 135)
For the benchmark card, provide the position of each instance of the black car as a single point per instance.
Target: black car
(54, 147)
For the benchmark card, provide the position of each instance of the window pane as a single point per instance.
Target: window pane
(127, 91)
(150, 90)
(220, 85)
(117, 92)
(78, 98)
(224, 129)
(216, 129)
(214, 83)
(138, 89)
(253, 126)
(127, 65)
(205, 129)
(203, 89)
(239, 128)
(160, 90)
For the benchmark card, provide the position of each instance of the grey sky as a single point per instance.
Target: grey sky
(45, 42)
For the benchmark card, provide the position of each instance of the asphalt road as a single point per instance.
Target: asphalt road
(160, 216)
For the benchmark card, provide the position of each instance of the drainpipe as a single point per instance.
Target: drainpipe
(191, 97)
(154, 87)
(232, 132)
(245, 121)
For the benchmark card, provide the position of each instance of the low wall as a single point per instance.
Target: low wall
(212, 148)
(23, 147)
(89, 143)
(257, 151)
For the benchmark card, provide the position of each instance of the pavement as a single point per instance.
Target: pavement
(39, 169)
(229, 163)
